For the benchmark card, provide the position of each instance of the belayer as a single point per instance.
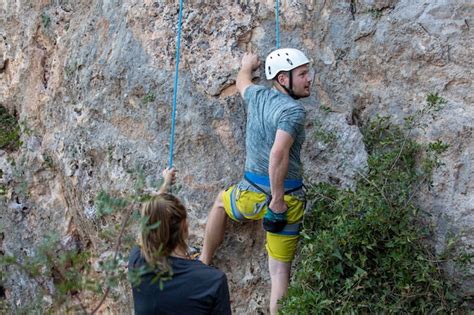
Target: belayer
(169, 280)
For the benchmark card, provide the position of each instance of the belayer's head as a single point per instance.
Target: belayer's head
(289, 70)
(165, 228)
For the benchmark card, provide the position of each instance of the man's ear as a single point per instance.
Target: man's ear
(282, 79)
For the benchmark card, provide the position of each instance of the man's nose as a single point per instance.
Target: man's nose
(311, 77)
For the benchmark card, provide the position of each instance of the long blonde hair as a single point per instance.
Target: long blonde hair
(164, 231)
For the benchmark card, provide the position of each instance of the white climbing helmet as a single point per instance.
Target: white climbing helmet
(284, 59)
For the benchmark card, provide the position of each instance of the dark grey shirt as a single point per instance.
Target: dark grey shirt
(194, 288)
(267, 111)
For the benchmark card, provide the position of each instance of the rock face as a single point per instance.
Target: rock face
(91, 83)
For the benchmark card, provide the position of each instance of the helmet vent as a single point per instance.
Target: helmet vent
(269, 70)
(289, 61)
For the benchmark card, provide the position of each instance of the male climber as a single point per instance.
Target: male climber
(271, 187)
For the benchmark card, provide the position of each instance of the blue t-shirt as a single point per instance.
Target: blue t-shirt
(267, 111)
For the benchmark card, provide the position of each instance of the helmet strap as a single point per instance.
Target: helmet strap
(289, 89)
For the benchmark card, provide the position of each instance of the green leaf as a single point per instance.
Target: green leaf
(337, 254)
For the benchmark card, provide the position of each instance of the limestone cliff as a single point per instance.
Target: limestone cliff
(91, 84)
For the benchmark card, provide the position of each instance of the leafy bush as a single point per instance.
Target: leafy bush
(67, 269)
(9, 131)
(365, 251)
(45, 20)
(63, 277)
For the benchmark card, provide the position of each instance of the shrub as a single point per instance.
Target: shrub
(9, 131)
(62, 275)
(365, 251)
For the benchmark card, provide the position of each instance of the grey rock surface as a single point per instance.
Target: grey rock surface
(91, 82)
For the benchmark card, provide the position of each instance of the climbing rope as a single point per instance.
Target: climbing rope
(277, 23)
(175, 87)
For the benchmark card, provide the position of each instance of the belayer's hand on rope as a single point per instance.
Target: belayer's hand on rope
(169, 179)
(169, 176)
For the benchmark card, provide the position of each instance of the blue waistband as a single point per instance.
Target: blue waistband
(265, 181)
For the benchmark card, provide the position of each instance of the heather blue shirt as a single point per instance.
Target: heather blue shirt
(267, 111)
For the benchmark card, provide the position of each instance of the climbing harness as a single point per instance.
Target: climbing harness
(262, 184)
(175, 87)
(255, 180)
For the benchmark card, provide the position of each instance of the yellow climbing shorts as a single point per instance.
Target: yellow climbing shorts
(241, 205)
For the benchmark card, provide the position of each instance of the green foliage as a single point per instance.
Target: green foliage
(48, 161)
(434, 101)
(438, 147)
(134, 276)
(147, 228)
(365, 251)
(3, 188)
(110, 153)
(19, 183)
(107, 204)
(325, 109)
(68, 269)
(9, 131)
(326, 137)
(376, 13)
(45, 20)
(322, 134)
(25, 129)
(64, 277)
(148, 98)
